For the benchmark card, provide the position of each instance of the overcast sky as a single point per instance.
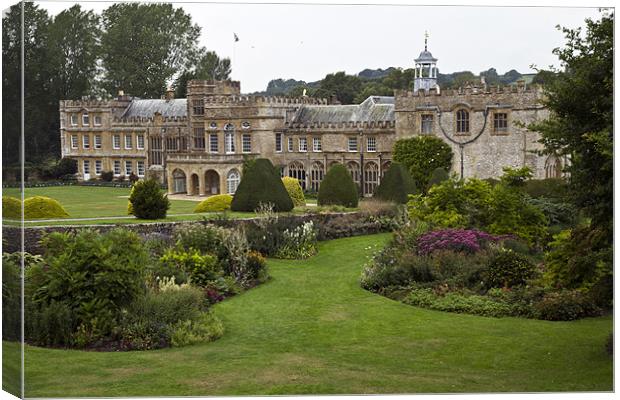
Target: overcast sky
(309, 41)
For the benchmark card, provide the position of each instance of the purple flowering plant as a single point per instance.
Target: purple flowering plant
(461, 240)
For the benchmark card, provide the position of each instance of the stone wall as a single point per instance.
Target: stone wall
(330, 226)
(484, 151)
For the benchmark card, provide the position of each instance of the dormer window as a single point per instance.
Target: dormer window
(462, 121)
(245, 125)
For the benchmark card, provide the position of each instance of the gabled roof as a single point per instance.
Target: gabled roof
(147, 108)
(373, 109)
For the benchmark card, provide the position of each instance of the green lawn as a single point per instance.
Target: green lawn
(93, 201)
(312, 329)
(108, 205)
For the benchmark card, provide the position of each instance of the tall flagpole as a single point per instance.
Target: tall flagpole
(235, 40)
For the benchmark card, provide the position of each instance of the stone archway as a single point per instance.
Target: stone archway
(179, 181)
(553, 167)
(194, 188)
(212, 182)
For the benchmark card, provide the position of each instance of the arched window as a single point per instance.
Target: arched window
(232, 181)
(371, 178)
(354, 170)
(316, 176)
(553, 167)
(296, 170)
(180, 183)
(462, 121)
(229, 138)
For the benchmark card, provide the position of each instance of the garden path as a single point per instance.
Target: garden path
(313, 329)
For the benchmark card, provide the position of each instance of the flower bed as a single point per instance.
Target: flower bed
(469, 271)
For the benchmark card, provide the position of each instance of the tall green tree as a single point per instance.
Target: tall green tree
(145, 45)
(421, 155)
(41, 109)
(580, 99)
(399, 78)
(74, 50)
(491, 76)
(209, 66)
(344, 87)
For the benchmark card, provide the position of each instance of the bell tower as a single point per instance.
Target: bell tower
(425, 69)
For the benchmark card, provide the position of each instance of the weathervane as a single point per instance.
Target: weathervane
(425, 40)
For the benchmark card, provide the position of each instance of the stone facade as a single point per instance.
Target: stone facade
(198, 145)
(485, 126)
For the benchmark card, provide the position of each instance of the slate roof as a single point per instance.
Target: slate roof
(147, 108)
(374, 108)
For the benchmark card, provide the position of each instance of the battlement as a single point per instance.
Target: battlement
(146, 120)
(520, 87)
(262, 100)
(343, 125)
(92, 103)
(209, 88)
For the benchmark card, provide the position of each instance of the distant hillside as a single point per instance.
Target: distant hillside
(356, 88)
(375, 73)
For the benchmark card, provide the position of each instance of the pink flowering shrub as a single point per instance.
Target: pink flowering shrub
(462, 240)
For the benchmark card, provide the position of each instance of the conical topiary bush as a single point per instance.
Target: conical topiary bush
(437, 176)
(396, 185)
(338, 188)
(261, 184)
(294, 190)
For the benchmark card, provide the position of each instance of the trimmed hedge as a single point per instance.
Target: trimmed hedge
(261, 185)
(552, 188)
(11, 207)
(217, 203)
(294, 190)
(148, 200)
(338, 188)
(396, 185)
(39, 207)
(437, 176)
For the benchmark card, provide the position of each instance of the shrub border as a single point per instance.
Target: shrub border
(368, 224)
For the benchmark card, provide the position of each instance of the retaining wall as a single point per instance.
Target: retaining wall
(330, 226)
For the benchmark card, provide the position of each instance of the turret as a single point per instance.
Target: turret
(425, 70)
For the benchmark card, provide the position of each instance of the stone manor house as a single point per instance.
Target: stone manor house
(197, 145)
